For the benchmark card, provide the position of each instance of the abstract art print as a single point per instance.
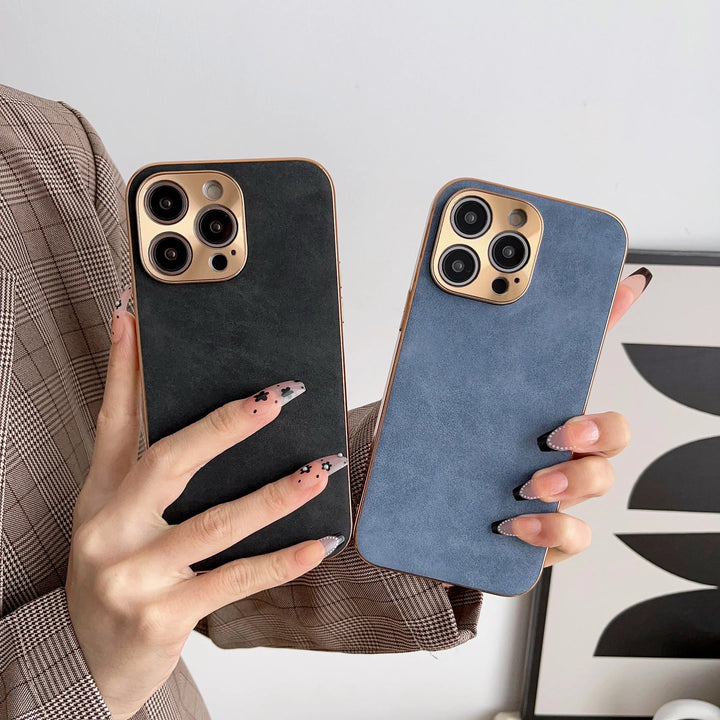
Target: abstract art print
(634, 622)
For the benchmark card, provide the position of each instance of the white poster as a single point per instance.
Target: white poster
(634, 621)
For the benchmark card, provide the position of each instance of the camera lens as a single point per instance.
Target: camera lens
(170, 253)
(216, 226)
(166, 202)
(471, 217)
(509, 251)
(459, 265)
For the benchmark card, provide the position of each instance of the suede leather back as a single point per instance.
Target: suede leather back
(205, 344)
(474, 386)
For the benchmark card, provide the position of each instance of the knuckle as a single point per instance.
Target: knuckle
(104, 419)
(153, 623)
(623, 428)
(158, 457)
(213, 524)
(89, 544)
(109, 417)
(576, 534)
(113, 588)
(601, 475)
(276, 498)
(585, 537)
(238, 579)
(276, 570)
(223, 420)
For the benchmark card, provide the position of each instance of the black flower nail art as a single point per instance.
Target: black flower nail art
(262, 395)
(305, 469)
(287, 392)
(326, 465)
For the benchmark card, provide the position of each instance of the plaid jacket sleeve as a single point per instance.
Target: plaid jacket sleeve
(42, 670)
(64, 257)
(63, 260)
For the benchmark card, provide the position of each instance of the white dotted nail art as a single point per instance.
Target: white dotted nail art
(553, 445)
(504, 527)
(525, 494)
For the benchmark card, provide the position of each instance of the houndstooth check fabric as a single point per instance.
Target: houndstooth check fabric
(64, 258)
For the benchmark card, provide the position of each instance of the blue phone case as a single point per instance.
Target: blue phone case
(473, 387)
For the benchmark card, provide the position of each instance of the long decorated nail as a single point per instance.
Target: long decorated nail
(116, 328)
(575, 433)
(554, 482)
(310, 474)
(331, 543)
(503, 527)
(524, 525)
(638, 281)
(278, 394)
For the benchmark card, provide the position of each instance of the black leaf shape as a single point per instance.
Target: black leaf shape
(695, 556)
(683, 625)
(667, 483)
(687, 373)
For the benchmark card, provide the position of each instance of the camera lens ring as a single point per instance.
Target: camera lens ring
(514, 241)
(226, 234)
(469, 228)
(157, 249)
(460, 276)
(177, 197)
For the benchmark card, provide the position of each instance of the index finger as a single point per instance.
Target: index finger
(163, 472)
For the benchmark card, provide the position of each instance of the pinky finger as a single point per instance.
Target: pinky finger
(238, 579)
(563, 535)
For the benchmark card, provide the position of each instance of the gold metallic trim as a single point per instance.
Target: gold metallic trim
(401, 337)
(192, 183)
(132, 233)
(481, 287)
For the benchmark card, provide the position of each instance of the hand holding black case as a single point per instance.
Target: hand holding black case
(473, 386)
(203, 344)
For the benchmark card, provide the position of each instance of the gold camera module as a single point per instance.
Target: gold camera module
(486, 246)
(191, 226)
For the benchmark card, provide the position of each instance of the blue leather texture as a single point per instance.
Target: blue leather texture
(474, 386)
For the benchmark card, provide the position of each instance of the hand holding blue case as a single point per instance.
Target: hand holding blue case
(474, 385)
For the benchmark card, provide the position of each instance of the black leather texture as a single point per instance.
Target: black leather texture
(206, 343)
(475, 385)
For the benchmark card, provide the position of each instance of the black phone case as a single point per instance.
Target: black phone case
(203, 344)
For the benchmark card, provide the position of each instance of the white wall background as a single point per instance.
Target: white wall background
(613, 104)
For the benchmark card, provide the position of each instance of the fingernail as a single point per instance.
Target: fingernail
(331, 542)
(574, 434)
(522, 525)
(279, 394)
(116, 327)
(638, 281)
(310, 475)
(553, 483)
(503, 527)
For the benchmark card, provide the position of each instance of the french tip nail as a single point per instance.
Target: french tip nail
(331, 543)
(501, 527)
(520, 492)
(542, 442)
(553, 444)
(645, 273)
